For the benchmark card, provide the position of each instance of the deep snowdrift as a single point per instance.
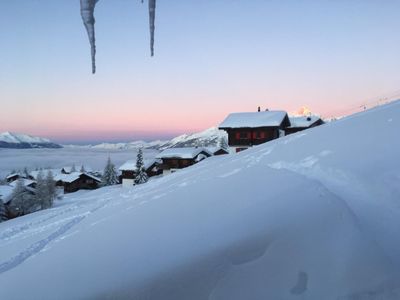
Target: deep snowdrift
(314, 215)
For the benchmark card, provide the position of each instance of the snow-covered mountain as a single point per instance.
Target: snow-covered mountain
(206, 138)
(313, 215)
(24, 141)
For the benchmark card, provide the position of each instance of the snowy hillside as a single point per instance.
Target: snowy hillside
(205, 138)
(314, 215)
(22, 141)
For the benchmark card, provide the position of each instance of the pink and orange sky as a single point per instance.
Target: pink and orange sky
(212, 58)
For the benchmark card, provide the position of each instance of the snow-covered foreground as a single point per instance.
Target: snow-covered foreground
(18, 159)
(314, 215)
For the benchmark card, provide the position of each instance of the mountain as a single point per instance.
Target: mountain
(313, 215)
(206, 138)
(24, 141)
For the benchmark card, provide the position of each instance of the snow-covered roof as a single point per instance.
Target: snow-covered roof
(130, 165)
(26, 182)
(303, 121)
(254, 119)
(12, 175)
(215, 149)
(184, 153)
(5, 193)
(73, 176)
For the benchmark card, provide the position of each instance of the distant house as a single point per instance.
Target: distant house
(129, 170)
(26, 182)
(254, 128)
(76, 181)
(179, 158)
(217, 150)
(13, 177)
(301, 123)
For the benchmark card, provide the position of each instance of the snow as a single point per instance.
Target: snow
(5, 192)
(313, 215)
(254, 119)
(17, 138)
(303, 121)
(73, 176)
(26, 182)
(184, 153)
(130, 165)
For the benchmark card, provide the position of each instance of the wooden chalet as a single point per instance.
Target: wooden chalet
(13, 177)
(129, 170)
(76, 181)
(179, 158)
(217, 151)
(254, 128)
(303, 122)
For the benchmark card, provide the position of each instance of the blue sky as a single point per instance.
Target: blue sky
(212, 58)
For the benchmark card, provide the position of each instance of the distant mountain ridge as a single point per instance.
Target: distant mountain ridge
(206, 138)
(23, 141)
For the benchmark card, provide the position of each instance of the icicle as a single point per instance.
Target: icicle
(152, 15)
(87, 13)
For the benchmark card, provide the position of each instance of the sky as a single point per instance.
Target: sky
(213, 57)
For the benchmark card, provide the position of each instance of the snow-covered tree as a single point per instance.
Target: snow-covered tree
(45, 190)
(110, 176)
(51, 190)
(22, 201)
(3, 212)
(141, 175)
(222, 143)
(73, 168)
(82, 170)
(25, 173)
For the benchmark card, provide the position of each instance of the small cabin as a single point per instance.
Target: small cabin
(217, 151)
(253, 128)
(303, 122)
(129, 170)
(26, 183)
(76, 181)
(179, 158)
(13, 177)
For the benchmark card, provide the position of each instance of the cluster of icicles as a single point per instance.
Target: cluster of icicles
(87, 12)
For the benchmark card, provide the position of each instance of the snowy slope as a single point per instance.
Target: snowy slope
(17, 140)
(314, 215)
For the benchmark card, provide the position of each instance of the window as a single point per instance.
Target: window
(243, 135)
(259, 135)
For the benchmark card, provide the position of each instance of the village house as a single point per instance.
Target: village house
(303, 122)
(76, 181)
(253, 128)
(179, 158)
(13, 177)
(215, 151)
(129, 170)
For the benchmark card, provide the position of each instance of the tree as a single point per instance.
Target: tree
(110, 176)
(73, 168)
(222, 143)
(3, 212)
(22, 201)
(141, 175)
(82, 170)
(26, 173)
(51, 190)
(41, 190)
